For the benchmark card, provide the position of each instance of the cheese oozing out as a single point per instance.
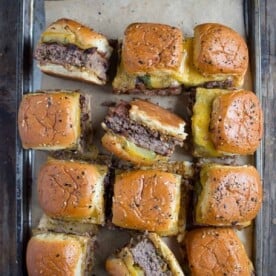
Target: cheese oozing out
(186, 74)
(203, 145)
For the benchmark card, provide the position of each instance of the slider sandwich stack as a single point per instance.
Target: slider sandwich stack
(70, 191)
(199, 204)
(226, 121)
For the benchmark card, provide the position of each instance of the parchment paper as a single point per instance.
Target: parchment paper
(111, 19)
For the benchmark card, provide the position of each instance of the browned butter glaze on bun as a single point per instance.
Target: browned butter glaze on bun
(228, 195)
(151, 60)
(236, 124)
(59, 254)
(72, 50)
(219, 50)
(142, 132)
(144, 255)
(73, 191)
(226, 122)
(147, 200)
(50, 120)
(147, 47)
(216, 251)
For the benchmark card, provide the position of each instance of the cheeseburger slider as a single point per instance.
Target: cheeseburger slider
(71, 50)
(54, 120)
(142, 132)
(216, 251)
(216, 56)
(59, 254)
(147, 200)
(226, 122)
(227, 195)
(72, 191)
(151, 60)
(145, 255)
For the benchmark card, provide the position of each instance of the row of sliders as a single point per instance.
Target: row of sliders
(207, 251)
(153, 58)
(223, 123)
(151, 201)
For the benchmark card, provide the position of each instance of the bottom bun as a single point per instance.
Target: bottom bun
(74, 73)
(128, 151)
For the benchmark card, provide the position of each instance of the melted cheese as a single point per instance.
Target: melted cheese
(191, 77)
(127, 258)
(156, 79)
(187, 74)
(203, 145)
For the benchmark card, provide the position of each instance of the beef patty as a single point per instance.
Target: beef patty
(119, 122)
(146, 257)
(71, 55)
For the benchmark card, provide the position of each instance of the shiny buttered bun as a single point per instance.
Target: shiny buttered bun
(216, 57)
(50, 120)
(216, 251)
(147, 200)
(142, 132)
(59, 254)
(144, 255)
(72, 191)
(236, 124)
(227, 195)
(220, 50)
(226, 122)
(151, 60)
(71, 50)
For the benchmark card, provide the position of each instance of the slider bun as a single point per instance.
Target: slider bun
(166, 253)
(67, 31)
(219, 50)
(236, 124)
(216, 251)
(230, 195)
(72, 191)
(126, 150)
(147, 200)
(47, 224)
(148, 47)
(157, 118)
(71, 72)
(50, 121)
(116, 266)
(49, 254)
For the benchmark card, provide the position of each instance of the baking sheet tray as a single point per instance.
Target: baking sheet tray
(111, 20)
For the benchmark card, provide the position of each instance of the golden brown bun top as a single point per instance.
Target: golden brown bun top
(216, 251)
(236, 122)
(148, 47)
(67, 31)
(147, 200)
(156, 117)
(49, 120)
(219, 50)
(234, 194)
(68, 189)
(54, 254)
